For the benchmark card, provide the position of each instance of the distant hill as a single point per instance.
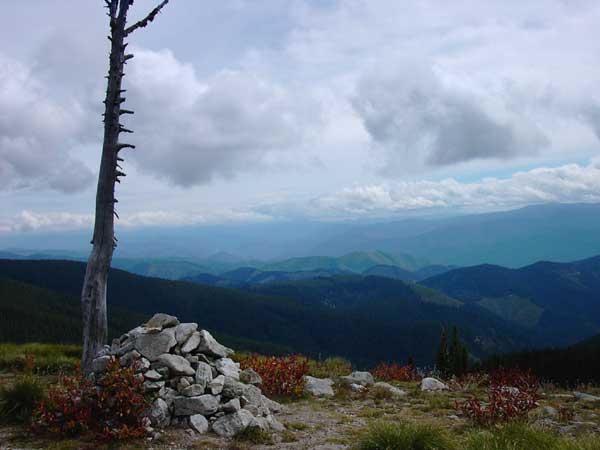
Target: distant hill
(555, 232)
(562, 299)
(352, 262)
(363, 327)
(399, 273)
(32, 314)
(249, 276)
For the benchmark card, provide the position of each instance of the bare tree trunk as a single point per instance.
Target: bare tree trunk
(93, 295)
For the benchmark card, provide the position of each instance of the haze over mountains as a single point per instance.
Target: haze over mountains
(554, 232)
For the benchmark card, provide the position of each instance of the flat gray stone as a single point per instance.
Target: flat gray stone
(177, 365)
(216, 385)
(193, 390)
(232, 424)
(318, 387)
(391, 389)
(271, 405)
(160, 321)
(183, 331)
(231, 406)
(432, 384)
(153, 375)
(203, 404)
(151, 346)
(210, 346)
(361, 378)
(159, 413)
(192, 343)
(204, 374)
(228, 367)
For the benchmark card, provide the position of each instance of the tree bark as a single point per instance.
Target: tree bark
(93, 295)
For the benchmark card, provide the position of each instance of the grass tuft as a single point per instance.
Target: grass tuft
(254, 435)
(18, 401)
(404, 436)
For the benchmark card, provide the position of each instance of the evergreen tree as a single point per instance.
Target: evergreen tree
(455, 353)
(442, 358)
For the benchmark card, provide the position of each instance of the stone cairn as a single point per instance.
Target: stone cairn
(197, 385)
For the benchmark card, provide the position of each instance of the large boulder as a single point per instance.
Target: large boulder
(177, 365)
(203, 404)
(361, 378)
(232, 424)
(433, 384)
(151, 346)
(318, 386)
(210, 346)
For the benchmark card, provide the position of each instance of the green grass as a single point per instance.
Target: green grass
(254, 435)
(424, 436)
(522, 436)
(330, 368)
(45, 358)
(404, 436)
(18, 401)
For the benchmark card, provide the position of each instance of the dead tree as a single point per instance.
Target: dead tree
(93, 295)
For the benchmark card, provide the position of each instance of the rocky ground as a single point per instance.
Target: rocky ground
(331, 423)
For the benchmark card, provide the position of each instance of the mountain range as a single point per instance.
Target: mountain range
(364, 317)
(550, 232)
(365, 328)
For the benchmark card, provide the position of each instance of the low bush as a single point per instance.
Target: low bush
(329, 368)
(282, 376)
(511, 396)
(19, 400)
(404, 436)
(395, 372)
(114, 411)
(469, 382)
(39, 358)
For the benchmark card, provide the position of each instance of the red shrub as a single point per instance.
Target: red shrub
(282, 376)
(395, 372)
(114, 411)
(512, 394)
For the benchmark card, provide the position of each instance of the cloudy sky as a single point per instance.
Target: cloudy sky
(258, 110)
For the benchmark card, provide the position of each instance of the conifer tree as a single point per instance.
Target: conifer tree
(442, 359)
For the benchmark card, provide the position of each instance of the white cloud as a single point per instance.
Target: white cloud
(191, 130)
(570, 183)
(38, 133)
(30, 221)
(420, 121)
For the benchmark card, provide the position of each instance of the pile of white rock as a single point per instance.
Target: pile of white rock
(196, 383)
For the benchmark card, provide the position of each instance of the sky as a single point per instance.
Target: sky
(267, 110)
